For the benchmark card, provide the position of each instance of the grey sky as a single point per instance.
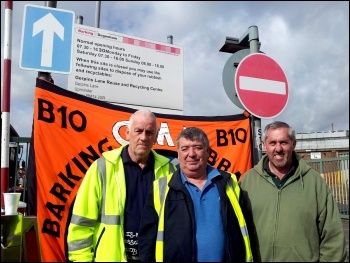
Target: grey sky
(309, 40)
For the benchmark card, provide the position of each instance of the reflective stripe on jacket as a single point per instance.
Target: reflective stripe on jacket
(160, 191)
(96, 230)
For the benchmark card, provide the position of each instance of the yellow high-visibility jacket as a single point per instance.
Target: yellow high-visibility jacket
(96, 228)
(171, 204)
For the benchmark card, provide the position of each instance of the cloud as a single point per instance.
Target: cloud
(310, 41)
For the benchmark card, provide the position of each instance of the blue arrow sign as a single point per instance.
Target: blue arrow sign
(47, 38)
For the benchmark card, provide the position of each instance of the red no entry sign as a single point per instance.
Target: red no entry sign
(261, 86)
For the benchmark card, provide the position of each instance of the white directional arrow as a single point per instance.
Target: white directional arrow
(49, 25)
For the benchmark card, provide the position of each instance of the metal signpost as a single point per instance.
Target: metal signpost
(260, 85)
(250, 39)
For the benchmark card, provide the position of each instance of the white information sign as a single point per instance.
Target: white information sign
(315, 155)
(117, 68)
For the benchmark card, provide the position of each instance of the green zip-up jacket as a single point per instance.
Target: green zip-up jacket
(298, 222)
(96, 229)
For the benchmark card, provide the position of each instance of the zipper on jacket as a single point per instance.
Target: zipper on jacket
(276, 220)
(98, 241)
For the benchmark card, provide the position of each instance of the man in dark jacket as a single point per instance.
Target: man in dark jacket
(194, 215)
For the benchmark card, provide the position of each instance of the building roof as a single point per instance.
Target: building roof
(332, 140)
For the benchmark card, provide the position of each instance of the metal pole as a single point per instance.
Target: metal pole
(47, 75)
(97, 15)
(170, 39)
(52, 4)
(80, 20)
(5, 115)
(255, 122)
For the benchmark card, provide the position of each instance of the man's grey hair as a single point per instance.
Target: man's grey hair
(144, 112)
(193, 134)
(279, 124)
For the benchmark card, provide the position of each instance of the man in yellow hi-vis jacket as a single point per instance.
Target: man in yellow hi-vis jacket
(194, 215)
(107, 210)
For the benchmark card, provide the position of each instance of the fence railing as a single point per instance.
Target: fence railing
(19, 152)
(335, 171)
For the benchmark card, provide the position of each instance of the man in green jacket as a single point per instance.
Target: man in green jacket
(107, 209)
(293, 214)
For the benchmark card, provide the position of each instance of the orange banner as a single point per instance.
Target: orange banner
(70, 131)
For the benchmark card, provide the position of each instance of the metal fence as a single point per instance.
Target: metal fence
(335, 171)
(19, 154)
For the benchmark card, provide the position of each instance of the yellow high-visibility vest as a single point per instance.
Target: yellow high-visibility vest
(160, 191)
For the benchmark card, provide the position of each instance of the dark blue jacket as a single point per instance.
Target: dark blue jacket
(179, 232)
